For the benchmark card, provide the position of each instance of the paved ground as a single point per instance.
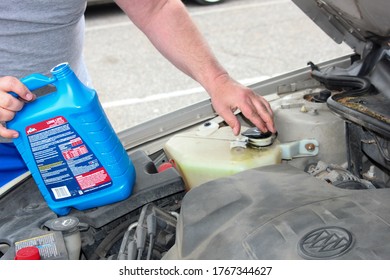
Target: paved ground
(253, 39)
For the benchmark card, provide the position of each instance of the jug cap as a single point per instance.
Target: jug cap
(28, 253)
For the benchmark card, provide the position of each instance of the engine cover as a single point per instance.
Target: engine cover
(280, 212)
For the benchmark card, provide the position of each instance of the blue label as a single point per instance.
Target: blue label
(67, 165)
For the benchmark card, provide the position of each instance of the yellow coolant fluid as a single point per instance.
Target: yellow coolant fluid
(211, 152)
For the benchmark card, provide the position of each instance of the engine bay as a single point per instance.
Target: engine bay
(319, 189)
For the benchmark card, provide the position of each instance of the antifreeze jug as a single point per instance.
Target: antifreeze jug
(70, 147)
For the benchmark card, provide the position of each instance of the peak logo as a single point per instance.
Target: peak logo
(31, 130)
(325, 243)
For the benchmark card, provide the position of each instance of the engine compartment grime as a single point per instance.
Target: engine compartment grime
(358, 104)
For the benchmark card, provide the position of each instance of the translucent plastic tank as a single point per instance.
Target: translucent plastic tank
(212, 152)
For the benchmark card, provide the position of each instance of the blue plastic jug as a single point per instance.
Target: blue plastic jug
(11, 164)
(69, 145)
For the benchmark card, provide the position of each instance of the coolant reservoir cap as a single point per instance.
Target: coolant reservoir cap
(64, 224)
(255, 133)
(257, 138)
(28, 253)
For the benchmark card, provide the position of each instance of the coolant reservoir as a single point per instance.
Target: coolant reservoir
(302, 117)
(211, 152)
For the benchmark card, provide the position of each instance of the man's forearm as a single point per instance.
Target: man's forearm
(171, 30)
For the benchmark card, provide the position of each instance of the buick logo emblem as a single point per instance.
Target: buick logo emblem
(325, 243)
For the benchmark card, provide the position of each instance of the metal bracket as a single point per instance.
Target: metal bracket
(301, 148)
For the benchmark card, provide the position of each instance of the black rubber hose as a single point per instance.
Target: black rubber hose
(109, 241)
(352, 84)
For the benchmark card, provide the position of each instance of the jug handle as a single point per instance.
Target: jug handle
(34, 81)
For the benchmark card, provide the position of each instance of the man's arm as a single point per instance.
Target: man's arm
(169, 27)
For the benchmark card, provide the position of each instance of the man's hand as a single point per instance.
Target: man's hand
(228, 95)
(10, 105)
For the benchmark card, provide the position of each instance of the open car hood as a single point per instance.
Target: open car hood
(360, 93)
(359, 23)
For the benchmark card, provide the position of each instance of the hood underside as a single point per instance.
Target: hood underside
(355, 22)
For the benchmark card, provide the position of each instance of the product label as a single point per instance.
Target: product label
(67, 165)
(50, 246)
